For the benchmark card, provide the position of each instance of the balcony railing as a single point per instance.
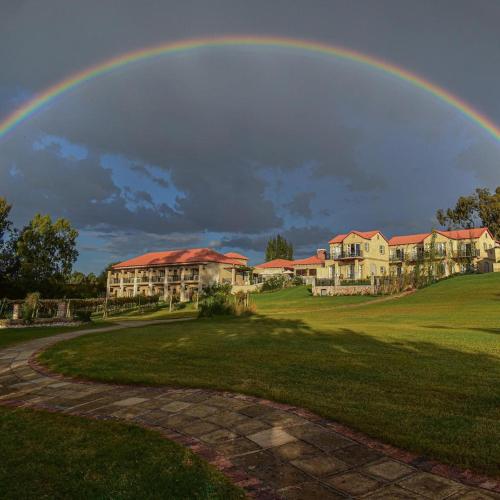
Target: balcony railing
(348, 254)
(397, 257)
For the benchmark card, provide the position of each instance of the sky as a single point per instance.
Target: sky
(225, 147)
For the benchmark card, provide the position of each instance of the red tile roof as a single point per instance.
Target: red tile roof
(339, 238)
(187, 256)
(408, 239)
(276, 263)
(235, 255)
(315, 259)
(464, 234)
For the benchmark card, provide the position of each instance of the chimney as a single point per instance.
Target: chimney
(321, 253)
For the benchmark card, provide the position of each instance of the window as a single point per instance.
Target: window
(367, 247)
(485, 245)
(382, 249)
(382, 270)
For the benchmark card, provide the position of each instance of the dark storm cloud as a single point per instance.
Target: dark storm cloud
(482, 159)
(141, 169)
(301, 205)
(305, 239)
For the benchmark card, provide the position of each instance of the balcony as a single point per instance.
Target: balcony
(397, 257)
(348, 254)
(191, 277)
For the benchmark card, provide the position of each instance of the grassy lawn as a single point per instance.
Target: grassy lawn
(162, 312)
(421, 372)
(53, 456)
(11, 336)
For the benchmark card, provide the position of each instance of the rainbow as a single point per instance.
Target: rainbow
(27, 110)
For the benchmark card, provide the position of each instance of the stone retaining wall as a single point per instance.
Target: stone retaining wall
(343, 290)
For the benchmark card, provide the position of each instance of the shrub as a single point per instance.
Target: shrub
(297, 280)
(274, 283)
(218, 301)
(83, 315)
(30, 307)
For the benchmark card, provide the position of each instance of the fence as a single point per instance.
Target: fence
(60, 310)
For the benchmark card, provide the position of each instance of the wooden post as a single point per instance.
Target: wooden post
(197, 299)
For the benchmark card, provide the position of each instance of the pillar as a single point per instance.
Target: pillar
(108, 284)
(135, 282)
(150, 282)
(165, 285)
(61, 309)
(182, 294)
(16, 310)
(233, 276)
(121, 284)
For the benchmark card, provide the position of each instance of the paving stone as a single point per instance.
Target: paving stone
(474, 495)
(322, 438)
(250, 426)
(394, 492)
(201, 411)
(129, 401)
(357, 455)
(353, 483)
(237, 447)
(176, 406)
(177, 421)
(294, 450)
(256, 410)
(275, 436)
(199, 428)
(390, 470)
(282, 418)
(430, 485)
(320, 465)
(309, 491)
(226, 418)
(218, 436)
(270, 470)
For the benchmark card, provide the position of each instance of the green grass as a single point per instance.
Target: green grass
(53, 456)
(421, 372)
(12, 336)
(162, 312)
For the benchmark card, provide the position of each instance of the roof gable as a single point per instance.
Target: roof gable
(367, 235)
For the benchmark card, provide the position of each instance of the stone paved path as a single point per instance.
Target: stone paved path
(269, 449)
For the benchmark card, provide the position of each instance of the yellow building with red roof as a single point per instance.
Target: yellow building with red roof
(180, 273)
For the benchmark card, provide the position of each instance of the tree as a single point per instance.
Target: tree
(481, 208)
(8, 235)
(46, 252)
(279, 248)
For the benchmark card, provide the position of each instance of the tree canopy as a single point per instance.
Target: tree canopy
(482, 208)
(279, 248)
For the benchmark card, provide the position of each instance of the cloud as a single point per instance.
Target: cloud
(143, 170)
(301, 205)
(482, 159)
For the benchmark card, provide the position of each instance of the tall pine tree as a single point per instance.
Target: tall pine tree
(279, 248)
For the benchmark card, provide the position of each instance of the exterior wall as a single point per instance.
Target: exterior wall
(182, 281)
(453, 256)
(373, 258)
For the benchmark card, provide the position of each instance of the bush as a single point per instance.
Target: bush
(297, 281)
(274, 283)
(83, 315)
(218, 301)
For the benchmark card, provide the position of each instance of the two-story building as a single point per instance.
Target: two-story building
(358, 255)
(180, 273)
(449, 251)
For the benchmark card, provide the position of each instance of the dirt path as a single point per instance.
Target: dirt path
(269, 449)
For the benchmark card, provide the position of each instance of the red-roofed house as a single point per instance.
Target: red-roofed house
(275, 267)
(450, 251)
(309, 267)
(358, 255)
(238, 257)
(177, 272)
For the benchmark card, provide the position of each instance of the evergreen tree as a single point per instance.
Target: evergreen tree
(279, 248)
